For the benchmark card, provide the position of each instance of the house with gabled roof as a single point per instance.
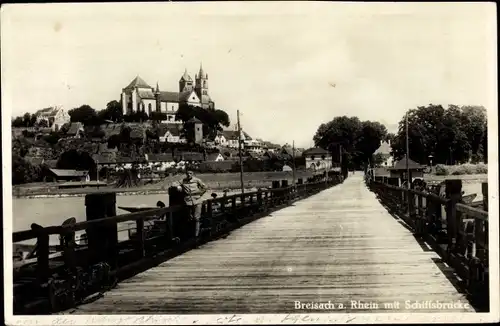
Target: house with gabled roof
(170, 133)
(160, 162)
(76, 130)
(139, 96)
(55, 117)
(385, 151)
(229, 138)
(215, 157)
(318, 158)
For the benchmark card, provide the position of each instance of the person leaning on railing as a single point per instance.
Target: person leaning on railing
(193, 189)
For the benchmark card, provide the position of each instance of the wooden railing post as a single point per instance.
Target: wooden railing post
(453, 217)
(42, 262)
(141, 249)
(103, 239)
(209, 213)
(259, 199)
(484, 188)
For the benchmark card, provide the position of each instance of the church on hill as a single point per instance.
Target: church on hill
(140, 96)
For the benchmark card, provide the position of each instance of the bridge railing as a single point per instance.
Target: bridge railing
(456, 231)
(53, 281)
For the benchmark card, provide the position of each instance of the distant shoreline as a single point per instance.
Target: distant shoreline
(118, 191)
(214, 185)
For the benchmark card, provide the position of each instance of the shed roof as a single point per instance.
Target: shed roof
(315, 151)
(69, 173)
(401, 165)
(166, 157)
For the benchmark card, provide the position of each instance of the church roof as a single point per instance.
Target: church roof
(175, 96)
(169, 96)
(201, 73)
(138, 82)
(184, 96)
(186, 77)
(146, 95)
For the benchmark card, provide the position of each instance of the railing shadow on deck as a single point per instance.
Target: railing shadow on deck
(456, 232)
(51, 282)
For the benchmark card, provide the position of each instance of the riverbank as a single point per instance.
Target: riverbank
(466, 178)
(215, 182)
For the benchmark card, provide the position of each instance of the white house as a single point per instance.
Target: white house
(318, 159)
(230, 139)
(170, 133)
(385, 151)
(160, 162)
(215, 157)
(55, 116)
(254, 146)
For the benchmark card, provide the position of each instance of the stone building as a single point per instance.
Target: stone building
(140, 96)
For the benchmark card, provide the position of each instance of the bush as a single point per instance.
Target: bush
(481, 168)
(441, 169)
(463, 169)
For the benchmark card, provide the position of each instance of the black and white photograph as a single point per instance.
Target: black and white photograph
(249, 162)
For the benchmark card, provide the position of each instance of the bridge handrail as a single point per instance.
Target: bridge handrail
(221, 213)
(460, 236)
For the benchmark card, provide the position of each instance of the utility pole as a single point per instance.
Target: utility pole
(239, 152)
(340, 157)
(407, 153)
(293, 162)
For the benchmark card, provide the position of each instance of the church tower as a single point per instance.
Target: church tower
(201, 86)
(157, 98)
(185, 83)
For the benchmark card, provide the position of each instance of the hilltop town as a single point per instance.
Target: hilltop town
(154, 131)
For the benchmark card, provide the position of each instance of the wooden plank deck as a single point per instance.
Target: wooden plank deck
(340, 246)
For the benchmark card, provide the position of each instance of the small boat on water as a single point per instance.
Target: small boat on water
(141, 208)
(133, 209)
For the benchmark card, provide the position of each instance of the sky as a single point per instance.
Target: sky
(287, 67)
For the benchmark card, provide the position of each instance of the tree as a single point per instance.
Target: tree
(369, 140)
(18, 122)
(20, 146)
(84, 114)
(158, 116)
(339, 134)
(213, 120)
(136, 117)
(29, 119)
(114, 141)
(75, 159)
(52, 138)
(378, 159)
(452, 135)
(23, 171)
(355, 139)
(42, 124)
(484, 143)
(113, 112)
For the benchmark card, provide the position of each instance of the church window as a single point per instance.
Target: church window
(149, 107)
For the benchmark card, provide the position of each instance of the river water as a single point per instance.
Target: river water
(53, 211)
